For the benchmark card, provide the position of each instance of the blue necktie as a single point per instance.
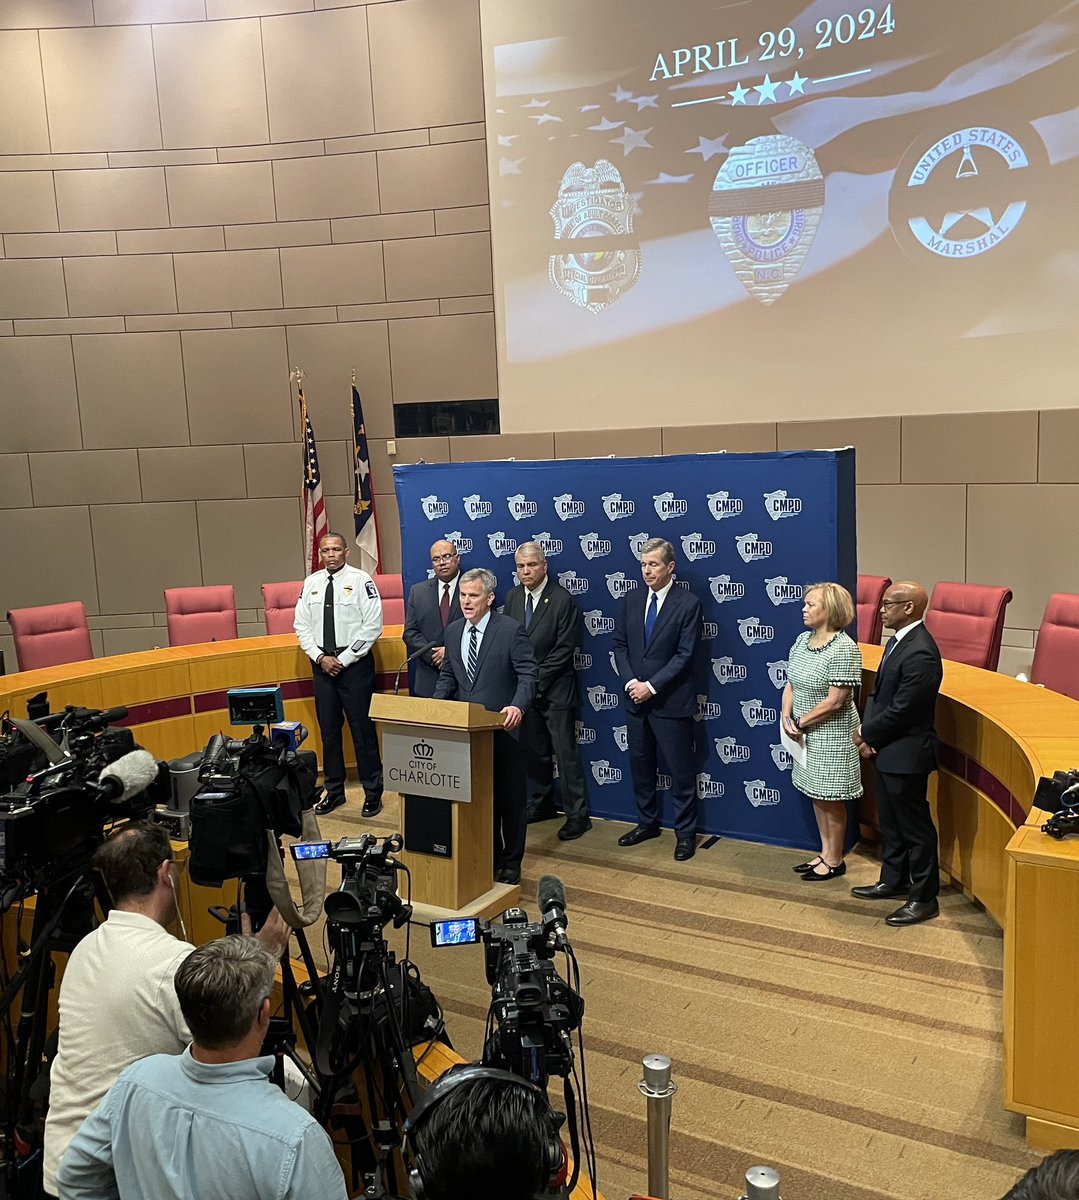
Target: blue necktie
(528, 611)
(473, 654)
(887, 650)
(650, 618)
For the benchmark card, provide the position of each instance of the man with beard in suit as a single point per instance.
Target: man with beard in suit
(432, 605)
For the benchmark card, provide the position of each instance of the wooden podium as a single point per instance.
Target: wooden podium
(439, 755)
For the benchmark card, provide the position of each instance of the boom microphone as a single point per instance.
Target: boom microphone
(551, 896)
(129, 775)
(411, 658)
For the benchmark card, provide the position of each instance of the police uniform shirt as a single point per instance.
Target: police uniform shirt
(357, 614)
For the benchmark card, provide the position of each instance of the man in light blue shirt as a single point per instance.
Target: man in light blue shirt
(207, 1123)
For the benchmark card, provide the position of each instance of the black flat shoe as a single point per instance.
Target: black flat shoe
(328, 803)
(801, 868)
(877, 891)
(914, 912)
(372, 806)
(831, 873)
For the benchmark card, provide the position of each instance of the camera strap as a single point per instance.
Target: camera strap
(312, 873)
(34, 733)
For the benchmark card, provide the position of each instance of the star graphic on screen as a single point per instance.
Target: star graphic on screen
(604, 125)
(797, 84)
(708, 148)
(634, 139)
(621, 94)
(767, 90)
(544, 118)
(645, 102)
(510, 166)
(738, 96)
(507, 139)
(589, 107)
(663, 177)
(534, 103)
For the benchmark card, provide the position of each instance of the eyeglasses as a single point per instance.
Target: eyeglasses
(889, 603)
(437, 558)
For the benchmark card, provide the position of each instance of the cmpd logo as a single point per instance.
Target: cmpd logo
(751, 547)
(500, 544)
(709, 788)
(575, 584)
(636, 544)
(781, 756)
(582, 734)
(601, 699)
(566, 508)
(755, 713)
(759, 794)
(521, 508)
(603, 773)
(462, 544)
(423, 750)
(593, 546)
(754, 632)
(723, 589)
(433, 508)
(618, 584)
(476, 508)
(707, 710)
(668, 505)
(621, 737)
(722, 505)
(777, 673)
(780, 590)
(596, 623)
(709, 629)
(726, 670)
(731, 751)
(779, 505)
(581, 661)
(551, 545)
(664, 783)
(694, 546)
(616, 507)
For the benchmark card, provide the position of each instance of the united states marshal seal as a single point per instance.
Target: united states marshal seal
(765, 206)
(593, 203)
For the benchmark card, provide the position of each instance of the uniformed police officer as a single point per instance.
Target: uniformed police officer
(338, 621)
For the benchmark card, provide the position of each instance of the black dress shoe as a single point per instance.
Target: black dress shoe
(877, 891)
(507, 875)
(914, 912)
(641, 833)
(537, 812)
(372, 806)
(574, 829)
(801, 868)
(685, 848)
(328, 803)
(815, 876)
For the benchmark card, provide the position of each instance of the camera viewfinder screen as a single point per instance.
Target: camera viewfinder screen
(303, 850)
(455, 933)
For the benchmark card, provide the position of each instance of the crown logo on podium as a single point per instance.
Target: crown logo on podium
(423, 750)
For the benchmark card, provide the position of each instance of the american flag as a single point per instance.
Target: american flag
(315, 524)
(363, 494)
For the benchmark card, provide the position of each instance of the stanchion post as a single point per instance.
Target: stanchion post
(762, 1183)
(658, 1089)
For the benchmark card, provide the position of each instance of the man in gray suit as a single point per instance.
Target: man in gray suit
(432, 605)
(489, 661)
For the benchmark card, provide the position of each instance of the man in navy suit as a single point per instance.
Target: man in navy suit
(656, 636)
(432, 605)
(489, 661)
(898, 735)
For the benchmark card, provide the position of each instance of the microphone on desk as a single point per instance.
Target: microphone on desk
(411, 658)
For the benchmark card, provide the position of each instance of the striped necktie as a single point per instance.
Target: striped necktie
(473, 653)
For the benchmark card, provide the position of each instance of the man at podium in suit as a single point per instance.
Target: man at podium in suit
(489, 661)
(656, 635)
(432, 605)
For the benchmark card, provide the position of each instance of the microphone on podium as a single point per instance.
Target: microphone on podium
(411, 658)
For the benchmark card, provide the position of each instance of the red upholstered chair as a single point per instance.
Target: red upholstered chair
(1056, 656)
(50, 635)
(200, 614)
(871, 589)
(967, 620)
(392, 590)
(279, 605)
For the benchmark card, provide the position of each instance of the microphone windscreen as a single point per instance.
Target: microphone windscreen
(136, 770)
(551, 890)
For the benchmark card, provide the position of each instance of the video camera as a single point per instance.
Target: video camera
(1059, 796)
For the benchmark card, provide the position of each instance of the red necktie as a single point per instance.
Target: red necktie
(444, 605)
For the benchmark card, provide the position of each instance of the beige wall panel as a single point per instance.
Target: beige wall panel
(40, 372)
(452, 305)
(65, 325)
(495, 446)
(210, 83)
(58, 245)
(161, 158)
(217, 10)
(443, 358)
(394, 225)
(234, 279)
(7, 328)
(876, 441)
(317, 74)
(267, 151)
(118, 198)
(456, 265)
(440, 42)
(463, 220)
(450, 176)
(1058, 437)
(237, 386)
(283, 316)
(389, 533)
(293, 233)
(15, 481)
(100, 89)
(86, 477)
(169, 241)
(337, 469)
(912, 532)
(124, 621)
(192, 473)
(338, 185)
(409, 450)
(24, 126)
(386, 312)
(620, 443)
(147, 12)
(131, 641)
(378, 141)
(1019, 638)
(971, 448)
(1013, 659)
(329, 354)
(707, 439)
(27, 199)
(225, 194)
(248, 543)
(195, 321)
(274, 469)
(459, 133)
(133, 283)
(346, 274)
(131, 389)
(32, 288)
(141, 549)
(1021, 538)
(31, 577)
(35, 14)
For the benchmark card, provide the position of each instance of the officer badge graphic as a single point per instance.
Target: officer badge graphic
(765, 206)
(593, 203)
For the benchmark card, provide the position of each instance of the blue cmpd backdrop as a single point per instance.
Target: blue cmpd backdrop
(749, 531)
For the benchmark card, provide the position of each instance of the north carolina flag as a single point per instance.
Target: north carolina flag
(363, 494)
